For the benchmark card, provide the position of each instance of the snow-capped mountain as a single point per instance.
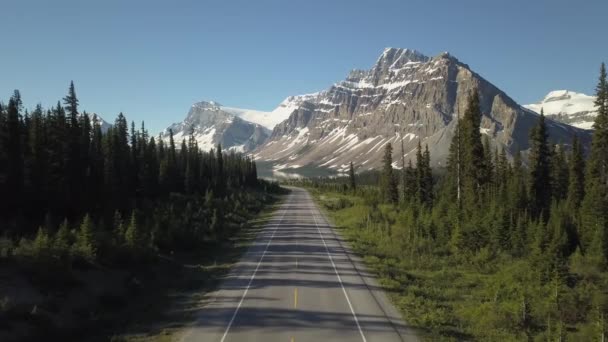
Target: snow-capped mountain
(95, 118)
(569, 107)
(268, 119)
(405, 97)
(211, 123)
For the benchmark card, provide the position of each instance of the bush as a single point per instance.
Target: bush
(6, 248)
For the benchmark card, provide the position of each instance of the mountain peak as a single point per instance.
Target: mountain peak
(569, 107)
(213, 105)
(397, 57)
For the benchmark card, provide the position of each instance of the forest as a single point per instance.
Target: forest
(77, 199)
(488, 248)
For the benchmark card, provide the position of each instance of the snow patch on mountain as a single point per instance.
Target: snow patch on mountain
(576, 109)
(405, 98)
(210, 124)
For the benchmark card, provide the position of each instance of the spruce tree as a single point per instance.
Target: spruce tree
(576, 183)
(594, 215)
(598, 159)
(388, 183)
(467, 155)
(85, 240)
(133, 237)
(15, 163)
(559, 173)
(540, 171)
(411, 184)
(220, 178)
(74, 167)
(351, 177)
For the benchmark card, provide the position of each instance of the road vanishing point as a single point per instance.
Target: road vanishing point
(298, 282)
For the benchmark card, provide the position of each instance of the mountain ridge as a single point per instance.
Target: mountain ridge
(405, 96)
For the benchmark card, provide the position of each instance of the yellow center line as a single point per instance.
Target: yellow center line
(293, 339)
(295, 298)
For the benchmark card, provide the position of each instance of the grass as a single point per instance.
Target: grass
(169, 313)
(429, 292)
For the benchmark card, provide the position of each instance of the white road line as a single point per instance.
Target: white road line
(338, 275)
(236, 311)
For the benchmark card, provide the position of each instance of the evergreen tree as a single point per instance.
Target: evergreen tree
(576, 183)
(424, 176)
(540, 176)
(598, 159)
(85, 245)
(559, 173)
(74, 168)
(220, 186)
(62, 240)
(71, 104)
(42, 244)
(15, 163)
(351, 177)
(410, 182)
(473, 153)
(455, 164)
(3, 159)
(388, 184)
(133, 236)
(594, 216)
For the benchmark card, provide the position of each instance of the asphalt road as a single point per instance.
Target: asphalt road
(299, 282)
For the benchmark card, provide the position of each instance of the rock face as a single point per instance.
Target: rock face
(569, 107)
(405, 97)
(212, 125)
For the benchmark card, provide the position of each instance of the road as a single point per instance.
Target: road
(298, 282)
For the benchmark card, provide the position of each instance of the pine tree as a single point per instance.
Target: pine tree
(576, 183)
(410, 182)
(220, 178)
(42, 244)
(559, 173)
(540, 171)
(466, 163)
(15, 163)
(455, 164)
(3, 159)
(57, 155)
(71, 103)
(598, 159)
(388, 183)
(424, 176)
(75, 175)
(133, 236)
(62, 240)
(594, 215)
(351, 177)
(85, 240)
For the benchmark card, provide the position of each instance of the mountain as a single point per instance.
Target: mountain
(405, 96)
(267, 119)
(211, 123)
(95, 118)
(566, 106)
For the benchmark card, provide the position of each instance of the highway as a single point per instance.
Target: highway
(298, 282)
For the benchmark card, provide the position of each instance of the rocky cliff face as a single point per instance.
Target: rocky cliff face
(569, 107)
(211, 125)
(405, 97)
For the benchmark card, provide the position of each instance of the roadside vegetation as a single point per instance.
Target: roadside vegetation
(488, 248)
(94, 224)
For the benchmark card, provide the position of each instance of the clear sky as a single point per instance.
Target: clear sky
(153, 59)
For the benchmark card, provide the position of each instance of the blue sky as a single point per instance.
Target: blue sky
(153, 59)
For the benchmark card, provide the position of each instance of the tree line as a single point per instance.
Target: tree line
(546, 211)
(63, 180)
